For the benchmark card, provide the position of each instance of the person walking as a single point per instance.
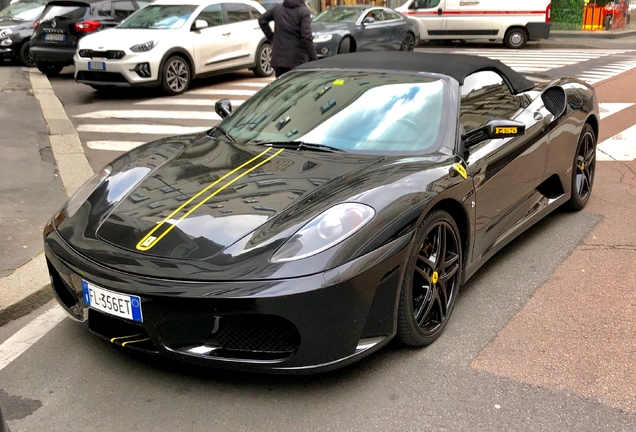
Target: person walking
(292, 41)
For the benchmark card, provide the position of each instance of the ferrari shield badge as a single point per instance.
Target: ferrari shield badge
(459, 169)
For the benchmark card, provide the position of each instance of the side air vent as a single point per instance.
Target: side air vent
(554, 99)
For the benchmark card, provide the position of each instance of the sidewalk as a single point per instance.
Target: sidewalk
(30, 192)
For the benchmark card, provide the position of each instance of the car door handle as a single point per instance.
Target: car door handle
(439, 11)
(227, 34)
(257, 28)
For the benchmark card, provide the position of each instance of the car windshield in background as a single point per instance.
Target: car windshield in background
(23, 10)
(339, 14)
(63, 12)
(160, 17)
(353, 111)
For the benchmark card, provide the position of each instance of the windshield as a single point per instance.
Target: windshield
(26, 11)
(339, 14)
(353, 111)
(160, 17)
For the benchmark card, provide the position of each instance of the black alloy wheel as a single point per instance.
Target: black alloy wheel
(25, 55)
(431, 282)
(583, 170)
(408, 43)
(50, 69)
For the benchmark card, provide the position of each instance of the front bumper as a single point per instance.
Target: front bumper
(50, 54)
(301, 325)
(120, 73)
(327, 49)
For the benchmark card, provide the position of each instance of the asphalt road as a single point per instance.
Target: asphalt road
(72, 381)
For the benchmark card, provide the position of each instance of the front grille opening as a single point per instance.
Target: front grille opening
(65, 293)
(106, 77)
(120, 332)
(111, 55)
(257, 336)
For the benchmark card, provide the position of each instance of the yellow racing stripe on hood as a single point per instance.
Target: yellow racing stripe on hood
(149, 241)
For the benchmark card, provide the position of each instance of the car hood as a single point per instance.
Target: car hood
(330, 27)
(116, 38)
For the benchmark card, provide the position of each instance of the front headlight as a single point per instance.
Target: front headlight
(143, 47)
(5, 33)
(85, 191)
(322, 38)
(324, 231)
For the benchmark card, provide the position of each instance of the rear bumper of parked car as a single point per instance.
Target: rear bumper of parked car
(538, 30)
(301, 325)
(49, 54)
(133, 70)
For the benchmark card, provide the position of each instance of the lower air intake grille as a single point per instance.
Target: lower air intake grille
(106, 77)
(258, 333)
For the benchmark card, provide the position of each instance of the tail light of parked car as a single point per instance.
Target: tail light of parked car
(548, 13)
(87, 26)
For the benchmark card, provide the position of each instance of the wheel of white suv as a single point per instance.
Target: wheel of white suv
(176, 75)
(264, 61)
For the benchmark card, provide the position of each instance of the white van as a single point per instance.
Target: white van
(512, 22)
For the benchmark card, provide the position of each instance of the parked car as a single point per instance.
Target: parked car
(512, 22)
(64, 22)
(171, 42)
(338, 208)
(344, 29)
(16, 28)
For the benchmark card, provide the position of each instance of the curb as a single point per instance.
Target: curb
(29, 287)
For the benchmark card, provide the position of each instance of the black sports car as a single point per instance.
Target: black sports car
(340, 207)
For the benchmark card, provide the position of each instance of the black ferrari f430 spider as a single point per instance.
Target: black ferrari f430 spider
(340, 207)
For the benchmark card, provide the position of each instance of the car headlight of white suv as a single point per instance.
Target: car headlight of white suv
(143, 47)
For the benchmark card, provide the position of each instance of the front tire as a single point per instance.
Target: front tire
(431, 281)
(50, 69)
(345, 46)
(408, 43)
(25, 55)
(516, 38)
(264, 61)
(176, 75)
(583, 170)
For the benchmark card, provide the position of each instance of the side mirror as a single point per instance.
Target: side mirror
(223, 108)
(368, 20)
(200, 25)
(494, 129)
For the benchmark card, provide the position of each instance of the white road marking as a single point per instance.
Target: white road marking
(221, 92)
(151, 114)
(122, 146)
(28, 335)
(189, 102)
(607, 109)
(252, 84)
(620, 147)
(141, 129)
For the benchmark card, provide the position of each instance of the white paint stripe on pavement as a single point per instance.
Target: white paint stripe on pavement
(607, 109)
(190, 102)
(252, 84)
(217, 92)
(620, 147)
(151, 114)
(28, 335)
(114, 145)
(141, 129)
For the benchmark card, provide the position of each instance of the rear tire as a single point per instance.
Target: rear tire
(345, 46)
(583, 170)
(516, 38)
(408, 43)
(431, 280)
(264, 61)
(50, 69)
(175, 75)
(25, 54)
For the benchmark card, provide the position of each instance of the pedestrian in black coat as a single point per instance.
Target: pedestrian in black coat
(292, 41)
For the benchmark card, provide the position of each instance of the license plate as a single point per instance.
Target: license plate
(54, 37)
(117, 304)
(96, 66)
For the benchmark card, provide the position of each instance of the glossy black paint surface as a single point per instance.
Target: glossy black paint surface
(219, 262)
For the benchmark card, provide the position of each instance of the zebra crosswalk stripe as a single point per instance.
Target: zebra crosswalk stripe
(186, 102)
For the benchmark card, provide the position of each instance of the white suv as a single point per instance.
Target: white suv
(170, 42)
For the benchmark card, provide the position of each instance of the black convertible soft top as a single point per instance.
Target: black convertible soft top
(458, 66)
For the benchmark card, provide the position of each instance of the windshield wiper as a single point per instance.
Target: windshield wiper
(301, 145)
(224, 133)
